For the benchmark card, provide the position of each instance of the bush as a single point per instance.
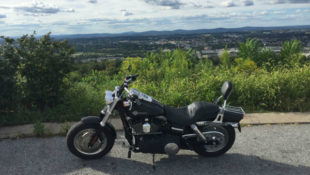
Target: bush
(38, 128)
(83, 99)
(44, 64)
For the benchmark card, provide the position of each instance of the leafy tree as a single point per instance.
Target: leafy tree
(44, 64)
(180, 64)
(8, 67)
(291, 52)
(268, 58)
(225, 58)
(250, 49)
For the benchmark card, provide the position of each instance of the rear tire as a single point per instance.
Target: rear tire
(199, 146)
(106, 140)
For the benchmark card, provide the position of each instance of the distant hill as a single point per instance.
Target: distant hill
(179, 32)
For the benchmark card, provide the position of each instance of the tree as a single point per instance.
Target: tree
(225, 58)
(268, 58)
(44, 64)
(249, 49)
(291, 52)
(8, 68)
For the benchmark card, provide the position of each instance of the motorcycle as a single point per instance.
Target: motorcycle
(152, 127)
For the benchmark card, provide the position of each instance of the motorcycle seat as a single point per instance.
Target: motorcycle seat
(197, 111)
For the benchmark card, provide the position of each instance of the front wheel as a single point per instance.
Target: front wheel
(89, 141)
(217, 143)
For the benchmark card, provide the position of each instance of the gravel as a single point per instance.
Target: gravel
(257, 150)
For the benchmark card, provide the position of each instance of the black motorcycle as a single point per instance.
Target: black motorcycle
(152, 127)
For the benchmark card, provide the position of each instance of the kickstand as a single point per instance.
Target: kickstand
(129, 152)
(154, 168)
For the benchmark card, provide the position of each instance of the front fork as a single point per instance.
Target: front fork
(107, 113)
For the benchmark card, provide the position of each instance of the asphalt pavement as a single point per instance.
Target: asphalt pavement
(258, 150)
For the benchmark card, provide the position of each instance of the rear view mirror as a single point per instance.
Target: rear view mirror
(226, 89)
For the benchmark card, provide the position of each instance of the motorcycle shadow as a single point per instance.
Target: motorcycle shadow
(194, 164)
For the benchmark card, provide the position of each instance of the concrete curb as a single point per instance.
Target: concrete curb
(51, 129)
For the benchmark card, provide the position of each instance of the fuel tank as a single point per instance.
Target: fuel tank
(144, 106)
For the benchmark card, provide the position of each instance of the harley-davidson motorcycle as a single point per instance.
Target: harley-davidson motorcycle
(152, 127)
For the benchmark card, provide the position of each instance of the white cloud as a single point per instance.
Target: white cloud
(173, 4)
(92, 1)
(289, 1)
(264, 13)
(141, 15)
(126, 12)
(247, 2)
(38, 8)
(229, 3)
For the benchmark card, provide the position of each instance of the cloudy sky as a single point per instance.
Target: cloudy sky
(19, 17)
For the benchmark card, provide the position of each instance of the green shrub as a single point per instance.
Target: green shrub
(38, 128)
(83, 99)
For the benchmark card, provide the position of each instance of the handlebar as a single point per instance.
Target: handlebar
(127, 80)
(131, 78)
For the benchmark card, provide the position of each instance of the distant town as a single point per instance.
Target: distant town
(208, 43)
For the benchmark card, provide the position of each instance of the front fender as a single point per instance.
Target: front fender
(97, 120)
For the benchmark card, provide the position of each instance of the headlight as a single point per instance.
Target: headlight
(108, 97)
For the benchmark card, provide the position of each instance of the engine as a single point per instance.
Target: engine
(157, 143)
(151, 136)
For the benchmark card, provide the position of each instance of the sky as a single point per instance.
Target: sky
(18, 17)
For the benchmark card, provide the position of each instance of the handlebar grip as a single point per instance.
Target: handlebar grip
(134, 77)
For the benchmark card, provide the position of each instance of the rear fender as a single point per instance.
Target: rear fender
(97, 120)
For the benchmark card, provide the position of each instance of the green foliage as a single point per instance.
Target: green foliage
(174, 79)
(131, 65)
(9, 62)
(83, 99)
(38, 128)
(44, 65)
(263, 80)
(268, 58)
(245, 65)
(250, 50)
(291, 52)
(225, 59)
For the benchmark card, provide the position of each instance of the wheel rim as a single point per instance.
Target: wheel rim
(82, 139)
(215, 141)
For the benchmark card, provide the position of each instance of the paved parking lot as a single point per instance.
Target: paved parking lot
(257, 150)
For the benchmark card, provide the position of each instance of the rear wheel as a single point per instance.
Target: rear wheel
(217, 143)
(89, 141)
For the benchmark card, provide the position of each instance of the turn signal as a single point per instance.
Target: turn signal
(126, 104)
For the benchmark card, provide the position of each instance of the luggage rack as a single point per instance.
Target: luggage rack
(234, 113)
(234, 109)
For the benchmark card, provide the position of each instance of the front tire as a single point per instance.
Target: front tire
(230, 135)
(79, 136)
